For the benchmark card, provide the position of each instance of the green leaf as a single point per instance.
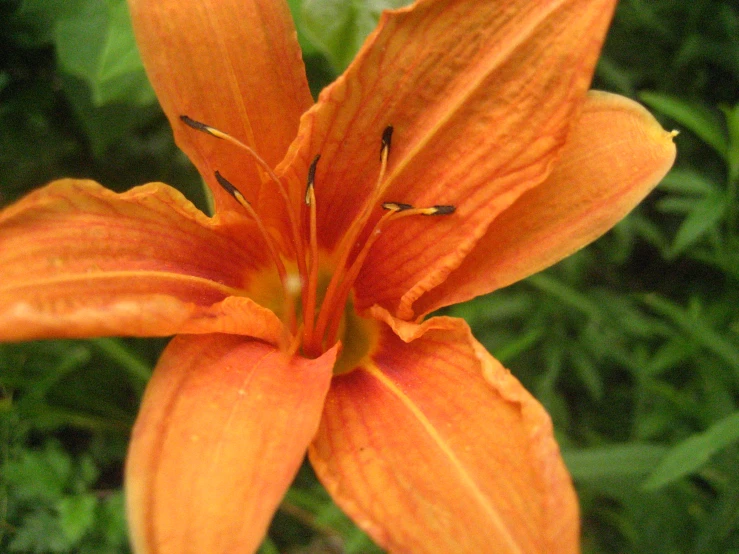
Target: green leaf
(32, 24)
(704, 216)
(689, 182)
(112, 519)
(702, 121)
(39, 474)
(40, 534)
(682, 205)
(268, 547)
(104, 125)
(338, 27)
(732, 122)
(566, 294)
(692, 453)
(697, 329)
(76, 515)
(620, 460)
(95, 43)
(296, 9)
(137, 369)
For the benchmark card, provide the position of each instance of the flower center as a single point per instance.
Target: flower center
(316, 288)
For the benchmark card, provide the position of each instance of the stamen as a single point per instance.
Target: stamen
(311, 178)
(432, 210)
(333, 314)
(387, 137)
(309, 301)
(396, 210)
(442, 210)
(297, 242)
(197, 125)
(236, 194)
(232, 190)
(347, 242)
(396, 206)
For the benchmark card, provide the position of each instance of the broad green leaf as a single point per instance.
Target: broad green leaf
(32, 22)
(95, 43)
(614, 461)
(104, 125)
(702, 121)
(704, 216)
(338, 27)
(306, 45)
(692, 453)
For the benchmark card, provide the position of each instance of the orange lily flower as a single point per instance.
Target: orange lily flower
(461, 151)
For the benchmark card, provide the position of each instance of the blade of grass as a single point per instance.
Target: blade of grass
(692, 453)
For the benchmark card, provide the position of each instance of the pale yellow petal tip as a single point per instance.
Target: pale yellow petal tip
(674, 133)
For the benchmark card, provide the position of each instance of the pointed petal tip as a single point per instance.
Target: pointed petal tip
(615, 154)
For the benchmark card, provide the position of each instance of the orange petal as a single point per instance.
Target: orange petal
(232, 64)
(615, 155)
(79, 260)
(435, 447)
(223, 429)
(481, 96)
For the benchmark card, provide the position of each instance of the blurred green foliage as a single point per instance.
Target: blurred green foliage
(632, 344)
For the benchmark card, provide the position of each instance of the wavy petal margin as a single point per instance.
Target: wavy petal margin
(616, 154)
(435, 447)
(78, 260)
(223, 428)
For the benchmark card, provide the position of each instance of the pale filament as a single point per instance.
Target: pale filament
(319, 330)
(295, 230)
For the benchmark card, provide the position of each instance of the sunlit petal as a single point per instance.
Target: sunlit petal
(481, 96)
(435, 447)
(79, 260)
(615, 155)
(223, 428)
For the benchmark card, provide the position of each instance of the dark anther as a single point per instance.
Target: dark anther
(443, 210)
(387, 137)
(397, 206)
(312, 170)
(311, 178)
(228, 187)
(195, 124)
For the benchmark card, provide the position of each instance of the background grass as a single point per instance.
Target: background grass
(632, 344)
